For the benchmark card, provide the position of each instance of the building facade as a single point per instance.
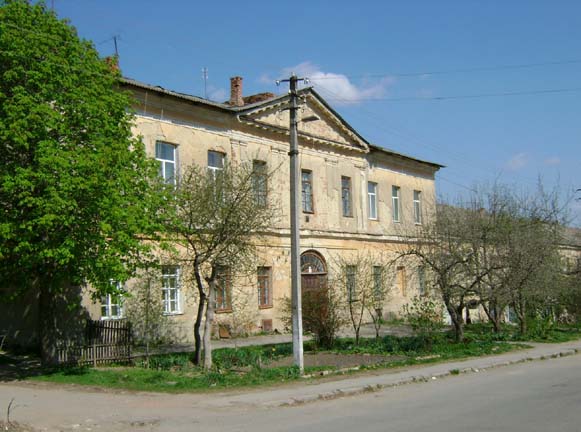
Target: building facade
(355, 197)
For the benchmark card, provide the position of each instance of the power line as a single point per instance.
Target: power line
(455, 71)
(409, 137)
(470, 96)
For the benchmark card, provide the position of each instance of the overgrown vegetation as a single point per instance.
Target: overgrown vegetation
(251, 366)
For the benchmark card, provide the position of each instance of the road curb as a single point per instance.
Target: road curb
(370, 388)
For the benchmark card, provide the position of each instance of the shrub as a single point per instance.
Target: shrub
(425, 317)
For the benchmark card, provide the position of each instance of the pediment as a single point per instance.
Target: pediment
(329, 128)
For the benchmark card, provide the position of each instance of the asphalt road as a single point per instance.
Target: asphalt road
(542, 396)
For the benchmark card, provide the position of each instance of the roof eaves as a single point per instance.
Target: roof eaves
(404, 156)
(183, 96)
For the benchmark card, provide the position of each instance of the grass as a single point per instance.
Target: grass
(248, 366)
(537, 333)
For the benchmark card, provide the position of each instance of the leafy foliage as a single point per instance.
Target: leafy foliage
(74, 183)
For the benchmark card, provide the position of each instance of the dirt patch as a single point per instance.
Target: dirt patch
(339, 361)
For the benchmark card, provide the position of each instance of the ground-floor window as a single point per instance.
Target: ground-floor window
(112, 305)
(264, 275)
(224, 290)
(170, 288)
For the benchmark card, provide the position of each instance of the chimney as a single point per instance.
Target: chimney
(236, 91)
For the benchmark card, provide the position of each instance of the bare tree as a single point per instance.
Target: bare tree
(362, 276)
(215, 219)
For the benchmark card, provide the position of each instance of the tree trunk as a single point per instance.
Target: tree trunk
(199, 315)
(47, 330)
(457, 321)
(208, 325)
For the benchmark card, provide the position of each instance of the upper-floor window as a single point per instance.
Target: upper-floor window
(395, 203)
(111, 304)
(264, 275)
(372, 200)
(224, 290)
(346, 196)
(170, 289)
(307, 190)
(215, 162)
(166, 155)
(260, 182)
(417, 207)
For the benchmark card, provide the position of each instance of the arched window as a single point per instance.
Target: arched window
(312, 263)
(313, 272)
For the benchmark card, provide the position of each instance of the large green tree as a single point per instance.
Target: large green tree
(74, 182)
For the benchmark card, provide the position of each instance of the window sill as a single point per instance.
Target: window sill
(374, 219)
(221, 311)
(113, 318)
(308, 212)
(268, 306)
(172, 313)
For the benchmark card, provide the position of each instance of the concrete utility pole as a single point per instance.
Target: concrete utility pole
(295, 205)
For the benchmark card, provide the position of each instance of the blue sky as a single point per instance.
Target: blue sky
(432, 79)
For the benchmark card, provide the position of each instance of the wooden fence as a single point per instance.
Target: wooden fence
(104, 342)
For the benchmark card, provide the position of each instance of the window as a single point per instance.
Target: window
(372, 200)
(215, 162)
(346, 196)
(422, 281)
(170, 288)
(307, 189)
(395, 203)
(378, 284)
(264, 287)
(224, 291)
(259, 182)
(111, 304)
(351, 282)
(166, 155)
(417, 207)
(401, 280)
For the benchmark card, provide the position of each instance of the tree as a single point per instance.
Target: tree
(74, 184)
(363, 279)
(447, 247)
(143, 307)
(215, 219)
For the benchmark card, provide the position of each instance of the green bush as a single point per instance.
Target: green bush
(425, 317)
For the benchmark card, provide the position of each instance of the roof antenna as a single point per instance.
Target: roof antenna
(205, 78)
(116, 48)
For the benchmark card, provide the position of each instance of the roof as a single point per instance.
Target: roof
(241, 110)
(572, 236)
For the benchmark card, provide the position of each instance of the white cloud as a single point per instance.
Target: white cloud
(518, 161)
(553, 161)
(217, 94)
(338, 87)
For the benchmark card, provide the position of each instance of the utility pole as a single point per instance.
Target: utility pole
(295, 205)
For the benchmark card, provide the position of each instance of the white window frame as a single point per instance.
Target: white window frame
(214, 169)
(108, 303)
(372, 200)
(417, 207)
(395, 203)
(169, 273)
(165, 162)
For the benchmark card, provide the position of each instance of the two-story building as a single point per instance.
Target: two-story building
(356, 196)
